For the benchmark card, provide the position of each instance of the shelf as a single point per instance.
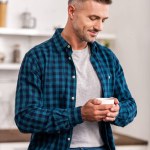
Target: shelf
(9, 66)
(24, 32)
(48, 33)
(37, 33)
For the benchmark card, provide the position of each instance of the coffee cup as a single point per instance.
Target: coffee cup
(106, 100)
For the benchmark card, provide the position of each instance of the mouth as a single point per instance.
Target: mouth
(93, 33)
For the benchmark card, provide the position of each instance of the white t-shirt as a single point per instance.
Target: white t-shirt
(86, 134)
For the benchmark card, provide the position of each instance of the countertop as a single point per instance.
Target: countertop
(13, 135)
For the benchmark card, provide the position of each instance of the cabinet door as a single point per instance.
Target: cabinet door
(14, 146)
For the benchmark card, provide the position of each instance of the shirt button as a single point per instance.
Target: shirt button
(108, 77)
(72, 98)
(68, 46)
(68, 139)
(69, 58)
(73, 77)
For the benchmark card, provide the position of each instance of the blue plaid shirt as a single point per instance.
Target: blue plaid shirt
(46, 84)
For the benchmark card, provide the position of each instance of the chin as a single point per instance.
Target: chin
(92, 40)
(89, 38)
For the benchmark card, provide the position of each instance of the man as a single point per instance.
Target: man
(59, 82)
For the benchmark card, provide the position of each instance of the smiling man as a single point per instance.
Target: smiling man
(85, 20)
(60, 80)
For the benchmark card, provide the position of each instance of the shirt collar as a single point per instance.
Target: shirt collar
(61, 44)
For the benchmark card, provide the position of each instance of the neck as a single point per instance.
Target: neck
(72, 39)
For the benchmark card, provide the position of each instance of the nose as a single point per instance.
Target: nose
(99, 25)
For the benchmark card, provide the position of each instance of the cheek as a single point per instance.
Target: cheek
(81, 23)
(88, 23)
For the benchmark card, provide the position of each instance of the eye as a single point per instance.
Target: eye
(103, 20)
(93, 18)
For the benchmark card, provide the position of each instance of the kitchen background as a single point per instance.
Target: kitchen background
(127, 32)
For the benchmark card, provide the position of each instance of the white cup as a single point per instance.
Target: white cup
(106, 100)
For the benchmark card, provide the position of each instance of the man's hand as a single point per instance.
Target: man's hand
(93, 110)
(114, 111)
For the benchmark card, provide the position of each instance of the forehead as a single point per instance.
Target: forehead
(94, 8)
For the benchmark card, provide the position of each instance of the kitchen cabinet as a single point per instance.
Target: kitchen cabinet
(14, 140)
(124, 142)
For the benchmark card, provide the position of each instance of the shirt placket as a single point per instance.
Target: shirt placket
(73, 82)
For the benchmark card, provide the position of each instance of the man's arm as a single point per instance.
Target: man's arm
(128, 108)
(30, 114)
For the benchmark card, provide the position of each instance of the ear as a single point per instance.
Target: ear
(71, 10)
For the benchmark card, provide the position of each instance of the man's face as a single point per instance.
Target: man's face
(88, 19)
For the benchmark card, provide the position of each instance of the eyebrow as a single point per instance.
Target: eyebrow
(97, 17)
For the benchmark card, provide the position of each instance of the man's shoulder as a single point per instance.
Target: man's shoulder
(103, 50)
(107, 55)
(40, 50)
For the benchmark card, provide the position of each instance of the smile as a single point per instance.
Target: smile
(93, 33)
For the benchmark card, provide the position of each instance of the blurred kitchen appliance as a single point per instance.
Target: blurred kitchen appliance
(27, 20)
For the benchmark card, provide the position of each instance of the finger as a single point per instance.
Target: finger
(116, 101)
(95, 101)
(99, 118)
(109, 119)
(105, 106)
(115, 108)
(101, 113)
(112, 115)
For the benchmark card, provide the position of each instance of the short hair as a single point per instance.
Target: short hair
(100, 1)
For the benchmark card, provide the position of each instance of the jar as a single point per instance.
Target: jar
(16, 54)
(2, 57)
(3, 12)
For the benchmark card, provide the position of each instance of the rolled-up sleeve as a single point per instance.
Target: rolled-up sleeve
(128, 108)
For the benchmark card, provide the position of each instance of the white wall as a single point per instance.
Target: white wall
(49, 13)
(130, 21)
